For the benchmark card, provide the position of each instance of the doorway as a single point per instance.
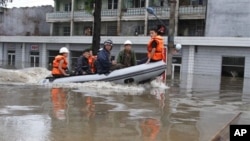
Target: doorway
(34, 59)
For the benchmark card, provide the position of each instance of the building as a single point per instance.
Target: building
(231, 20)
(24, 21)
(200, 55)
(125, 17)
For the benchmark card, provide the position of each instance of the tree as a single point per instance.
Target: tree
(95, 5)
(3, 3)
(97, 26)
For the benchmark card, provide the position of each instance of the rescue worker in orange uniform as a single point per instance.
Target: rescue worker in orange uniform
(60, 63)
(92, 58)
(155, 46)
(58, 98)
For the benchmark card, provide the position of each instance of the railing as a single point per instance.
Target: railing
(82, 14)
(183, 10)
(109, 12)
(79, 14)
(58, 15)
(188, 10)
(133, 11)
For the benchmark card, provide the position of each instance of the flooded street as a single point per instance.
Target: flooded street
(193, 109)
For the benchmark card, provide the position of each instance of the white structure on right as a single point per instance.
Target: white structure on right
(228, 18)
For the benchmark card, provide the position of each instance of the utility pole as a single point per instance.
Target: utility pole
(72, 18)
(171, 32)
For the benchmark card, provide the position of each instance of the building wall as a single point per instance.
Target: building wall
(228, 18)
(25, 21)
(208, 59)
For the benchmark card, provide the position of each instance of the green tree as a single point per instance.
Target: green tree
(3, 3)
(96, 7)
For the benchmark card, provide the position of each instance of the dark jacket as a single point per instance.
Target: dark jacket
(126, 60)
(103, 62)
(82, 66)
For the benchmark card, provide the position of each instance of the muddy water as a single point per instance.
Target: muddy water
(194, 108)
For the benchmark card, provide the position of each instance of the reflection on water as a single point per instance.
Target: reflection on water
(192, 109)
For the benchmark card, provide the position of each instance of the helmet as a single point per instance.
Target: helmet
(64, 50)
(128, 42)
(108, 42)
(178, 46)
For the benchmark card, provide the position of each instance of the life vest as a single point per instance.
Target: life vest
(91, 61)
(55, 69)
(159, 51)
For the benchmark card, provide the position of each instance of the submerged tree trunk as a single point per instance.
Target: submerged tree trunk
(97, 26)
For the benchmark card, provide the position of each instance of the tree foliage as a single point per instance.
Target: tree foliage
(89, 5)
(3, 3)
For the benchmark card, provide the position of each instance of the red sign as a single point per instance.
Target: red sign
(34, 47)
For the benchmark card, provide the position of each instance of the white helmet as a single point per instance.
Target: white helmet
(128, 42)
(64, 50)
(178, 46)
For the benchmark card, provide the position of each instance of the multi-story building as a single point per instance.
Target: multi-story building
(126, 17)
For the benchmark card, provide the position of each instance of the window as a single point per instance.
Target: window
(88, 31)
(112, 4)
(34, 59)
(139, 30)
(112, 30)
(135, 3)
(233, 66)
(11, 58)
(67, 7)
(66, 31)
(1, 17)
(197, 2)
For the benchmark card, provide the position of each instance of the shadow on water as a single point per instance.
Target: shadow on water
(193, 109)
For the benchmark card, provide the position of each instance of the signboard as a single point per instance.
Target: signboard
(34, 47)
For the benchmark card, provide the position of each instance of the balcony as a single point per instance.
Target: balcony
(107, 14)
(185, 12)
(192, 12)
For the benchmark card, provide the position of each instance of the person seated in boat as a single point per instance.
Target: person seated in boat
(92, 58)
(103, 62)
(60, 64)
(155, 46)
(82, 66)
(126, 57)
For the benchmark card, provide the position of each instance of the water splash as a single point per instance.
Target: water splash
(158, 83)
(27, 75)
(32, 76)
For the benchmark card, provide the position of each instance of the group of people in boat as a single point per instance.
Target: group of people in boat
(87, 63)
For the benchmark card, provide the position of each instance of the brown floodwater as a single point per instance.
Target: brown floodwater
(194, 108)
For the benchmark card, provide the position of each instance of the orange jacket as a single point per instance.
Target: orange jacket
(91, 60)
(159, 51)
(55, 69)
